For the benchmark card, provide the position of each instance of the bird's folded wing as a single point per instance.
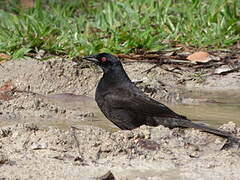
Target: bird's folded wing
(139, 103)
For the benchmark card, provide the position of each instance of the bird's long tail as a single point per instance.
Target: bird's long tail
(218, 132)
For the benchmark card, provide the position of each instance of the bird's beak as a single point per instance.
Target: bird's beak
(91, 58)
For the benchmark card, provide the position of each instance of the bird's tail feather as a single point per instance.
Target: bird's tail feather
(211, 130)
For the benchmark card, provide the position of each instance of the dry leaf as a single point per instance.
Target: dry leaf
(199, 57)
(7, 86)
(4, 57)
(5, 89)
(27, 3)
(5, 96)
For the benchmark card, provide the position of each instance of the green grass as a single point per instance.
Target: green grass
(77, 27)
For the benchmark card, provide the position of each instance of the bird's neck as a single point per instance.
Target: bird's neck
(115, 75)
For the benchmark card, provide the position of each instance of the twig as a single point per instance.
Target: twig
(73, 134)
(150, 69)
(27, 141)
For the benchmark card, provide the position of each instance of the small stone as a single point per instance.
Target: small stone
(3, 159)
(37, 146)
(194, 154)
(108, 176)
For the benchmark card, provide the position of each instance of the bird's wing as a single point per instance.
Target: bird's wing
(132, 99)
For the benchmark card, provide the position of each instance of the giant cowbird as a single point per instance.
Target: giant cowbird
(124, 104)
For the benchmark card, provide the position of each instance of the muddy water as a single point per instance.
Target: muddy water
(220, 108)
(212, 114)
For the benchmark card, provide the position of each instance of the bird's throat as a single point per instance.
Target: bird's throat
(114, 76)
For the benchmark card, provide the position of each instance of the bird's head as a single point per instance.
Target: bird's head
(104, 60)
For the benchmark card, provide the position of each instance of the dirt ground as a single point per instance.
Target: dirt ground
(29, 150)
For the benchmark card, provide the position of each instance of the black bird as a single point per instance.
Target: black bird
(124, 104)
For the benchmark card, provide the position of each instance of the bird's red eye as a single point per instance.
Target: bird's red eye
(104, 59)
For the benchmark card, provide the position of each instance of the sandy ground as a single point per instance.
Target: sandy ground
(31, 151)
(27, 152)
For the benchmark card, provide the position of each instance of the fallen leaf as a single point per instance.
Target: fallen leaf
(4, 57)
(5, 96)
(5, 89)
(27, 4)
(7, 86)
(200, 56)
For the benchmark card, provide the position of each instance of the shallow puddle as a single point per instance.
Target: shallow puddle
(220, 108)
(212, 114)
(223, 107)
